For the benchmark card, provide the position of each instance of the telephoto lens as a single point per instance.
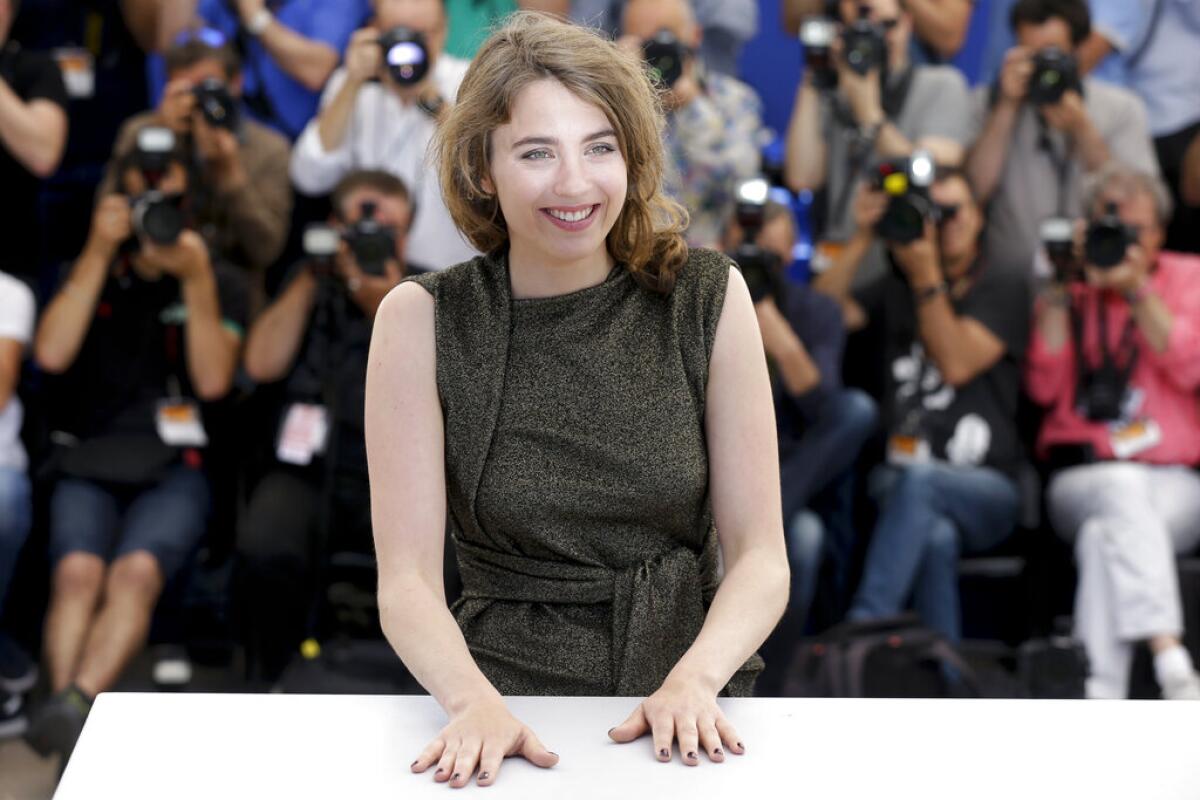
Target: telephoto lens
(157, 217)
(817, 36)
(1058, 239)
(1108, 239)
(371, 242)
(1055, 72)
(664, 54)
(760, 268)
(216, 104)
(405, 54)
(864, 46)
(321, 244)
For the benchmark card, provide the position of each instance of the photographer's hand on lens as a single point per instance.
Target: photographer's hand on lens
(1067, 115)
(1015, 75)
(185, 260)
(220, 151)
(683, 710)
(176, 107)
(364, 58)
(863, 93)
(111, 225)
(1128, 277)
(920, 259)
(479, 738)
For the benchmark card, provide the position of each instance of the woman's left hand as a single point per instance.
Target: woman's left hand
(686, 711)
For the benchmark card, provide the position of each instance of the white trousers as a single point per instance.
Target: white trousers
(1127, 522)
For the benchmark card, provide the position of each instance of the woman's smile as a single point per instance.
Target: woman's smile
(572, 218)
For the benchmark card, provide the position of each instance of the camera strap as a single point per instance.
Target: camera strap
(1061, 161)
(1109, 361)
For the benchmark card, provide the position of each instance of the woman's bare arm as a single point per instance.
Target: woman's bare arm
(744, 486)
(406, 461)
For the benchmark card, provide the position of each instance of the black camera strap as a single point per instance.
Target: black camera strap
(258, 101)
(1060, 160)
(1109, 361)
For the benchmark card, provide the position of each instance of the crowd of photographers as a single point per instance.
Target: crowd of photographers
(194, 268)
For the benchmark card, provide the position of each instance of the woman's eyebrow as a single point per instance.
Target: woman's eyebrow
(528, 140)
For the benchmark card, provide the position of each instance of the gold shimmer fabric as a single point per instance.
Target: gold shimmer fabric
(577, 475)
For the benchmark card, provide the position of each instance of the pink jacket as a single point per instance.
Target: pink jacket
(1169, 379)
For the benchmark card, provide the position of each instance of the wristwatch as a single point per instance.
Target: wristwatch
(1135, 296)
(924, 295)
(259, 22)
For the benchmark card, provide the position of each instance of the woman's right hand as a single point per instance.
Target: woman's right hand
(480, 737)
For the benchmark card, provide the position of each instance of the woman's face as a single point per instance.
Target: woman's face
(559, 176)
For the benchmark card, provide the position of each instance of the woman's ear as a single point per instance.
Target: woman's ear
(488, 186)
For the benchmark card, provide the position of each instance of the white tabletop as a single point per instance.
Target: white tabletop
(305, 746)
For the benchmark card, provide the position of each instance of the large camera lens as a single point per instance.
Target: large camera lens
(664, 54)
(406, 55)
(1055, 72)
(817, 36)
(371, 242)
(216, 104)
(1108, 239)
(864, 47)
(157, 217)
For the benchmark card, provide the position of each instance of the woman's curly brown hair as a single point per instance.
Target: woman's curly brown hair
(648, 235)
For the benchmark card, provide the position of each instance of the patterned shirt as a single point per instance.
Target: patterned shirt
(714, 143)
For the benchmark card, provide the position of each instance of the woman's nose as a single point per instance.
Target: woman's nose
(571, 180)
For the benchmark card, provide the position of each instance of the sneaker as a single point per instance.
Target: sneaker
(12, 716)
(18, 672)
(57, 723)
(1186, 688)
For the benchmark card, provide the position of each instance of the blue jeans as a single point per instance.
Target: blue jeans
(167, 520)
(931, 513)
(15, 516)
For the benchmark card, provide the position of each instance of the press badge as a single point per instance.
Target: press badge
(78, 69)
(179, 424)
(903, 450)
(303, 435)
(1131, 439)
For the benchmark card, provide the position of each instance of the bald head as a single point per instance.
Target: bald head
(644, 18)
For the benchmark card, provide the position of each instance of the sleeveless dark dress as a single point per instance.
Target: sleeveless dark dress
(577, 475)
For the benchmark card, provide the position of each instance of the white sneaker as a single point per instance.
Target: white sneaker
(1185, 688)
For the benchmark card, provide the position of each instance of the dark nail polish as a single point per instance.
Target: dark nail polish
(483, 776)
(440, 771)
(414, 763)
(692, 756)
(663, 753)
(741, 746)
(718, 752)
(455, 776)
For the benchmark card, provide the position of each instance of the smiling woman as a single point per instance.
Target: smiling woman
(590, 401)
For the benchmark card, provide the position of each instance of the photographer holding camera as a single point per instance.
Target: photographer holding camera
(822, 425)
(289, 48)
(380, 110)
(951, 332)
(1115, 358)
(145, 329)
(1042, 129)
(714, 122)
(940, 26)
(241, 199)
(862, 101)
(315, 337)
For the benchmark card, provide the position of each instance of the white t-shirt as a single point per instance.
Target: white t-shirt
(385, 134)
(17, 313)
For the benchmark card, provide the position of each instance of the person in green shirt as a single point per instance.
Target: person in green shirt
(472, 20)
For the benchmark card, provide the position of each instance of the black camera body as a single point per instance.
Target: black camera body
(906, 182)
(665, 55)
(760, 268)
(1055, 72)
(406, 55)
(817, 35)
(218, 107)
(864, 43)
(372, 242)
(157, 217)
(1108, 239)
(1100, 395)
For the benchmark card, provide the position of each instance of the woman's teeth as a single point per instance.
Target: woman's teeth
(571, 216)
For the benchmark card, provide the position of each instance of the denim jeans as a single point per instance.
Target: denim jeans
(15, 516)
(930, 514)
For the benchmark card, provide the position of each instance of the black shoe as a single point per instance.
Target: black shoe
(13, 722)
(57, 723)
(18, 672)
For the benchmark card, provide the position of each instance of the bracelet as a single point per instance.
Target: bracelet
(1137, 295)
(259, 22)
(926, 294)
(354, 284)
